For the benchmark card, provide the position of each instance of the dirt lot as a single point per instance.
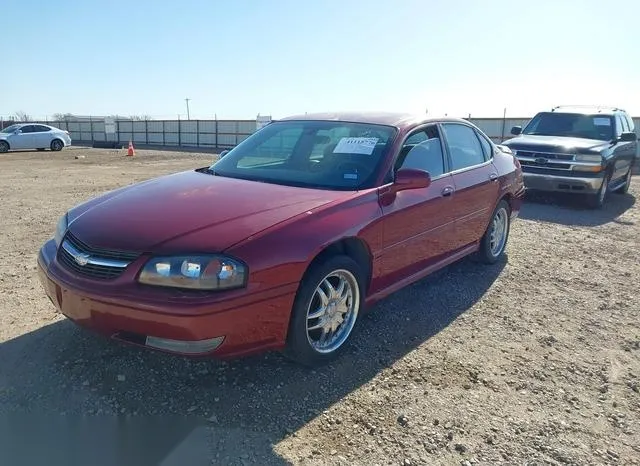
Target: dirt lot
(531, 361)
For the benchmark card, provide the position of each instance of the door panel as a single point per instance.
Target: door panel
(21, 140)
(418, 225)
(476, 192)
(623, 152)
(475, 180)
(41, 138)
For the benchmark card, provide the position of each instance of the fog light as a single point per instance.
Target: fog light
(587, 168)
(184, 346)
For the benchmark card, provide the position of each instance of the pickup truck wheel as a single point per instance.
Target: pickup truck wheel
(494, 240)
(596, 201)
(325, 311)
(624, 189)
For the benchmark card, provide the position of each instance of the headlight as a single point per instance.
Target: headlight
(593, 158)
(61, 229)
(200, 272)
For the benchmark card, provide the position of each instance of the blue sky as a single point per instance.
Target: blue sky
(280, 57)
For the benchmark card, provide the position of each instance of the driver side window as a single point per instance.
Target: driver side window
(422, 150)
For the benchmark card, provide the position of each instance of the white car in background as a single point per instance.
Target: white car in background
(33, 136)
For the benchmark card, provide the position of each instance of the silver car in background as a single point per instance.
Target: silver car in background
(25, 136)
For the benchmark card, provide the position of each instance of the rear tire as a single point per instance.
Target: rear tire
(624, 189)
(4, 147)
(57, 145)
(333, 291)
(494, 240)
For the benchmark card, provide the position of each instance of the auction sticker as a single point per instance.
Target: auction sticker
(363, 146)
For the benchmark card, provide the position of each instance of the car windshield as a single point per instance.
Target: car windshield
(10, 129)
(576, 125)
(319, 154)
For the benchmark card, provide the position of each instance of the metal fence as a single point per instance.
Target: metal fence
(184, 133)
(213, 134)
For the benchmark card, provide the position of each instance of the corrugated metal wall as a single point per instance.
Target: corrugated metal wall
(220, 133)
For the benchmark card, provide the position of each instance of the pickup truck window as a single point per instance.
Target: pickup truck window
(599, 127)
(620, 126)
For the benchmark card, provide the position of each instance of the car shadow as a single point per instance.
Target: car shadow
(239, 409)
(572, 210)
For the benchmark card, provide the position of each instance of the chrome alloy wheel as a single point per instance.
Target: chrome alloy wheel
(333, 311)
(498, 235)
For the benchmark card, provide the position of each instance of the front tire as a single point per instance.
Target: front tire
(4, 147)
(494, 240)
(597, 200)
(57, 145)
(325, 311)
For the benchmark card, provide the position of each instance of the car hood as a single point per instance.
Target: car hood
(555, 144)
(146, 216)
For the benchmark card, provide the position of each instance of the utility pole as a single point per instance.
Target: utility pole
(188, 115)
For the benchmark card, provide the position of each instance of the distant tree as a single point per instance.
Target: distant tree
(140, 117)
(63, 116)
(23, 116)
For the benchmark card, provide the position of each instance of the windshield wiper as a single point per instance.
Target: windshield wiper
(208, 171)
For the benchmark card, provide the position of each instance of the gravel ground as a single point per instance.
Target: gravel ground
(531, 361)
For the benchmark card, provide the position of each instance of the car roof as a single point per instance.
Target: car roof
(396, 119)
(587, 109)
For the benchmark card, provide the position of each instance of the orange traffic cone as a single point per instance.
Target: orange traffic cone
(131, 152)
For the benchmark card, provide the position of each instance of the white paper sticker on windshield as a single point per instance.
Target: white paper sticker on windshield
(363, 146)
(599, 121)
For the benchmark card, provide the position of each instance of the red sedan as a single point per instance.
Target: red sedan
(284, 241)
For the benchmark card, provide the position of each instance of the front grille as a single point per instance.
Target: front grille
(559, 166)
(543, 170)
(102, 264)
(544, 155)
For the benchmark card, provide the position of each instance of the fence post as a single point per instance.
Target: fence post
(504, 123)
(163, 138)
(146, 132)
(117, 132)
(216, 139)
(198, 133)
(91, 127)
(179, 132)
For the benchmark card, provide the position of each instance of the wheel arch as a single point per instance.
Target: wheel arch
(353, 247)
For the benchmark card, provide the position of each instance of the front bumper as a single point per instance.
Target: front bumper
(542, 182)
(251, 324)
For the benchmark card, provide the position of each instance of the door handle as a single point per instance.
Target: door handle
(447, 191)
(493, 176)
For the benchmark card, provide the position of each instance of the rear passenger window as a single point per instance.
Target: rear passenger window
(423, 151)
(630, 123)
(464, 146)
(625, 124)
(487, 148)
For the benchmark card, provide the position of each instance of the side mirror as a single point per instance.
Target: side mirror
(411, 178)
(628, 137)
(516, 130)
(223, 153)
